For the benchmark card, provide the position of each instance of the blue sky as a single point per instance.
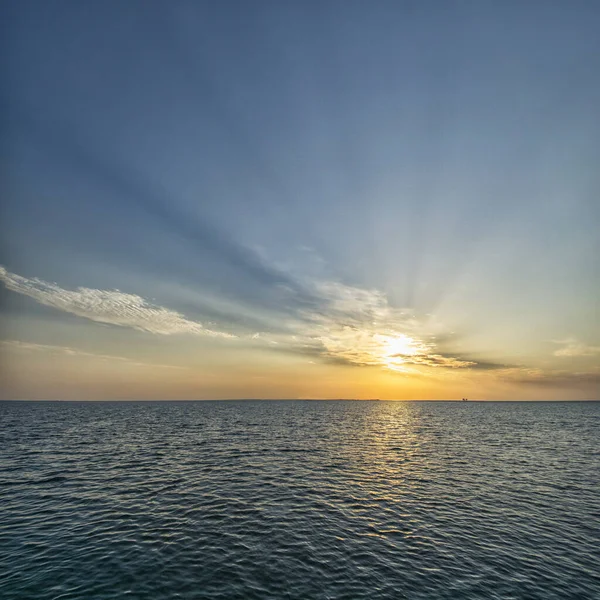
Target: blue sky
(325, 199)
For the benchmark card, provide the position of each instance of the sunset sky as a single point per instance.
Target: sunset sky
(337, 199)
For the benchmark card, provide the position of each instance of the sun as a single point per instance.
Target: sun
(393, 350)
(401, 345)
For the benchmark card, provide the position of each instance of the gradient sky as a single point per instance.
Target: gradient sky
(300, 199)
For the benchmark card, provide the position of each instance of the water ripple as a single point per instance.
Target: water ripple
(320, 500)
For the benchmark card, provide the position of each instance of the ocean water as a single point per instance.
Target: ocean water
(299, 499)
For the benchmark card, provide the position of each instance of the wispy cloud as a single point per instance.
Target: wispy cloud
(344, 324)
(17, 345)
(359, 327)
(572, 347)
(107, 306)
(550, 377)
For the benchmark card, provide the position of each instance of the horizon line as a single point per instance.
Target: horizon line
(480, 400)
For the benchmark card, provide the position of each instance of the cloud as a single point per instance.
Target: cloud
(107, 306)
(66, 350)
(572, 347)
(344, 325)
(550, 378)
(357, 326)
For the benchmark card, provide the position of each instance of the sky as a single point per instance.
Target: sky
(277, 199)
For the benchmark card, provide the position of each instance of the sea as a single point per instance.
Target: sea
(300, 500)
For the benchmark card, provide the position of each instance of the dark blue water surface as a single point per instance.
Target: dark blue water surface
(299, 500)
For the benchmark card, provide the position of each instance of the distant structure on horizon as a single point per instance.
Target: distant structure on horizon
(465, 399)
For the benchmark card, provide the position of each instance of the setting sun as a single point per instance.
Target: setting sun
(401, 345)
(395, 349)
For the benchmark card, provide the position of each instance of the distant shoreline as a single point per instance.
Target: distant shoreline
(141, 400)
